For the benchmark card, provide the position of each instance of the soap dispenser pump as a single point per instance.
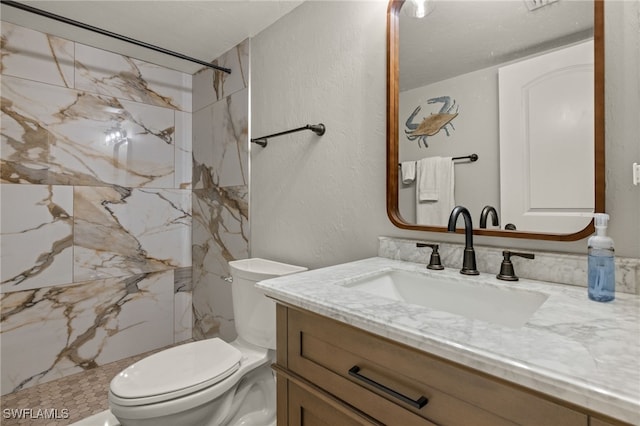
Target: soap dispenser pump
(601, 265)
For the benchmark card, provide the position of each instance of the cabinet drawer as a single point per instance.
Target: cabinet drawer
(323, 351)
(309, 406)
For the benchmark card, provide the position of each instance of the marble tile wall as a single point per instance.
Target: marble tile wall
(95, 236)
(220, 189)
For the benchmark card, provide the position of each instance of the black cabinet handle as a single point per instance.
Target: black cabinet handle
(421, 402)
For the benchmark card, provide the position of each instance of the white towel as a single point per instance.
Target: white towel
(408, 169)
(434, 190)
(429, 170)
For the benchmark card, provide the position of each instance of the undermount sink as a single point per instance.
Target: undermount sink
(460, 295)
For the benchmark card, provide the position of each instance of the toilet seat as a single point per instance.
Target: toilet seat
(138, 410)
(175, 372)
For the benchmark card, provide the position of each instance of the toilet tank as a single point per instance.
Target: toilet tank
(254, 313)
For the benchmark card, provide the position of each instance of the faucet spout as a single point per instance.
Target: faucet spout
(486, 211)
(468, 227)
(469, 256)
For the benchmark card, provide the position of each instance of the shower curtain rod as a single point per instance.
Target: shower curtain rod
(82, 25)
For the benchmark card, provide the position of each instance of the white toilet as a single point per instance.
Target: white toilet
(211, 382)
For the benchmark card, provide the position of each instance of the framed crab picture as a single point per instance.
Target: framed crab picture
(428, 119)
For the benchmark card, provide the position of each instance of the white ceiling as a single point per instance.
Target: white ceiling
(463, 36)
(200, 29)
(457, 37)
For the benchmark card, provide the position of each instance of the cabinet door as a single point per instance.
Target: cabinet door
(311, 408)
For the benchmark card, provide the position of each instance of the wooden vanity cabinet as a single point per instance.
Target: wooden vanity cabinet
(318, 384)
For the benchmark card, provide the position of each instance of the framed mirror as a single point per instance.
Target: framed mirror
(496, 105)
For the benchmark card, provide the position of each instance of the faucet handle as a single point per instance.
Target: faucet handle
(434, 260)
(507, 273)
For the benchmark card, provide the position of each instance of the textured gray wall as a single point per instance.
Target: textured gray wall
(321, 201)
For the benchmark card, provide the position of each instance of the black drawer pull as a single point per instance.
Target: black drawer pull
(421, 402)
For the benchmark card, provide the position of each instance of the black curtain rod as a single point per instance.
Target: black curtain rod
(82, 25)
(318, 129)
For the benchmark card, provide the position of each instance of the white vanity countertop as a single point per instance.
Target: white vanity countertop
(577, 350)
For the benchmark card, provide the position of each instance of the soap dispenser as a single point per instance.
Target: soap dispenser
(601, 272)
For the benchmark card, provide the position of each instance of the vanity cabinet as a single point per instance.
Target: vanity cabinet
(335, 374)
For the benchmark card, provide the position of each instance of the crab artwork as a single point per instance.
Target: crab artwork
(433, 123)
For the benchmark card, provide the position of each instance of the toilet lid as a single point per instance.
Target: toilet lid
(189, 367)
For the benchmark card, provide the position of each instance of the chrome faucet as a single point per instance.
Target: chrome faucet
(485, 213)
(469, 256)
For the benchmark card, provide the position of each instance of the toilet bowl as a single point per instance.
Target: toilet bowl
(210, 382)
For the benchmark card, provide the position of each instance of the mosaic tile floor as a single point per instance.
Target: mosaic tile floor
(74, 397)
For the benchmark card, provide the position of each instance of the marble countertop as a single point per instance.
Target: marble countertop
(574, 349)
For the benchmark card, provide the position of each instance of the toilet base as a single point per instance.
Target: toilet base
(254, 401)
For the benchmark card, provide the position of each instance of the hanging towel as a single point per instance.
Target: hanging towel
(434, 190)
(408, 169)
(428, 178)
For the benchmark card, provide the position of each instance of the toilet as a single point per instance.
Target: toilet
(211, 382)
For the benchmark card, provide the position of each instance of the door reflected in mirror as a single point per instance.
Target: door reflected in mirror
(517, 83)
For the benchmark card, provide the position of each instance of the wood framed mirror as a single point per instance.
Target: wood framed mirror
(439, 106)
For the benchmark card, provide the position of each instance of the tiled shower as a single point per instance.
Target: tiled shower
(111, 247)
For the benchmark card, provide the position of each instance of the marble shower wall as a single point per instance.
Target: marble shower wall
(95, 236)
(220, 189)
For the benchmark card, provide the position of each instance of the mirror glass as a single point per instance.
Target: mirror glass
(495, 105)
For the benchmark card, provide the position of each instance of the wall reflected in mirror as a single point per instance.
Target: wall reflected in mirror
(513, 82)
